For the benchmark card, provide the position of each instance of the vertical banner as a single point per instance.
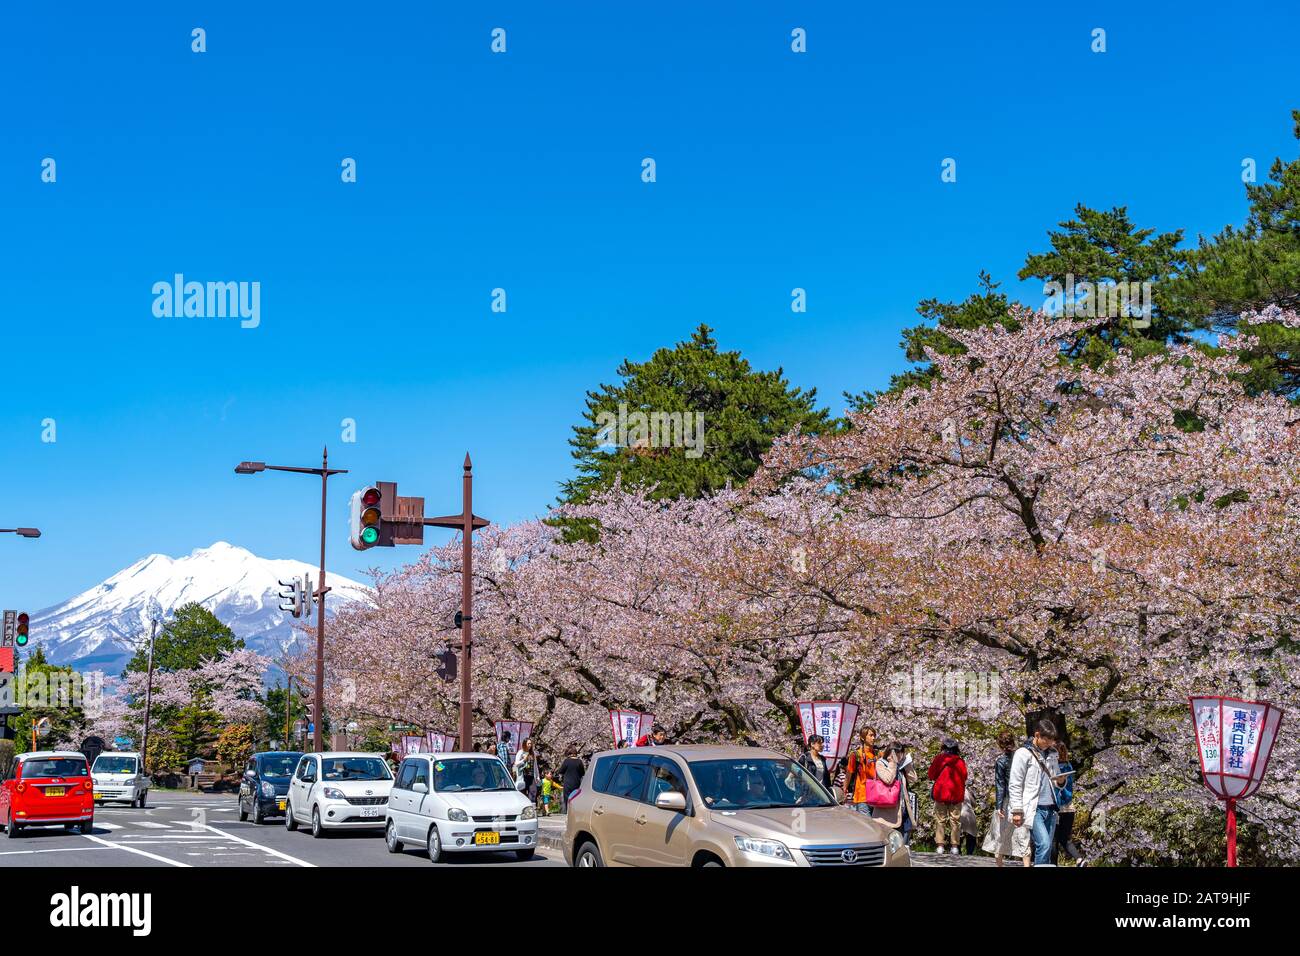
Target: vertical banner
(630, 726)
(806, 720)
(520, 730)
(440, 743)
(834, 721)
(1234, 741)
(411, 744)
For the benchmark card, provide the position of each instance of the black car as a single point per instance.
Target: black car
(264, 790)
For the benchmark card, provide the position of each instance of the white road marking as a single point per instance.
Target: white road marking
(150, 824)
(60, 849)
(130, 849)
(264, 849)
(108, 826)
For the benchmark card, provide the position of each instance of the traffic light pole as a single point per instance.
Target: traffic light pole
(148, 698)
(318, 698)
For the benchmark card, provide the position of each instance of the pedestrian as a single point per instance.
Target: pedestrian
(969, 828)
(503, 749)
(1065, 813)
(861, 768)
(998, 840)
(892, 807)
(1032, 794)
(571, 771)
(656, 738)
(526, 769)
(813, 761)
(948, 789)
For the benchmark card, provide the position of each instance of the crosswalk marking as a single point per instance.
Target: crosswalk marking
(150, 824)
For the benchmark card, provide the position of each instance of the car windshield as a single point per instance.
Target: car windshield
(115, 765)
(356, 768)
(279, 766)
(468, 774)
(54, 767)
(757, 784)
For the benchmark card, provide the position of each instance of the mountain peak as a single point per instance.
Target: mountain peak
(222, 549)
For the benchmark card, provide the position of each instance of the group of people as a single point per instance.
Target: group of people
(549, 789)
(1033, 815)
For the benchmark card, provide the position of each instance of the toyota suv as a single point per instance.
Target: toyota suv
(716, 806)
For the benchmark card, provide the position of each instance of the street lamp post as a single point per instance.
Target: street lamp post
(155, 613)
(22, 532)
(324, 471)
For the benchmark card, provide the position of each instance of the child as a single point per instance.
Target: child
(548, 787)
(968, 826)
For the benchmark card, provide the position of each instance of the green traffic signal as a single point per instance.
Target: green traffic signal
(370, 535)
(24, 623)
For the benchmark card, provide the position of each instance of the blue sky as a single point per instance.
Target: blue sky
(522, 171)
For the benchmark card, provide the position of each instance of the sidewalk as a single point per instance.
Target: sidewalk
(550, 836)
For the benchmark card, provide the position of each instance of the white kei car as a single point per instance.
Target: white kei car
(338, 791)
(119, 776)
(458, 802)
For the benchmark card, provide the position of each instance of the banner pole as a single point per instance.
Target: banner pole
(1232, 832)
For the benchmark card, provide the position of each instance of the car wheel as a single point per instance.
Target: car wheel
(588, 855)
(435, 845)
(290, 822)
(317, 830)
(390, 838)
(11, 831)
(87, 827)
(243, 814)
(257, 814)
(525, 855)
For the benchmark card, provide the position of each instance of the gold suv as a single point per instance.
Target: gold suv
(716, 806)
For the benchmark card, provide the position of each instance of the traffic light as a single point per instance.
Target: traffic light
(367, 519)
(24, 625)
(291, 595)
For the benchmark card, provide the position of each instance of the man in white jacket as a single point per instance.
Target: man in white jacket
(1031, 799)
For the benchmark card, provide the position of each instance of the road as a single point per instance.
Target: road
(203, 830)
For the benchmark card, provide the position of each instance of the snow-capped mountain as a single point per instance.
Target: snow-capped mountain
(100, 628)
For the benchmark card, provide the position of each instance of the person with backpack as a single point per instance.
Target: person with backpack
(948, 773)
(861, 768)
(1032, 795)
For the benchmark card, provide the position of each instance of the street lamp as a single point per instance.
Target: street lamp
(155, 613)
(324, 471)
(22, 532)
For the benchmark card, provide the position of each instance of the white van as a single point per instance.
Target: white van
(458, 802)
(119, 776)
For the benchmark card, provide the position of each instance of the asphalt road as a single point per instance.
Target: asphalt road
(200, 830)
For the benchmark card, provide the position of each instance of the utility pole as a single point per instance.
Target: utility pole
(148, 698)
(380, 517)
(324, 471)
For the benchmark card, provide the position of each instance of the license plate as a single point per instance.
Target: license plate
(370, 811)
(487, 839)
(55, 791)
(97, 796)
(280, 804)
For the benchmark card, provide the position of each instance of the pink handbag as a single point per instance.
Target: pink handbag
(879, 795)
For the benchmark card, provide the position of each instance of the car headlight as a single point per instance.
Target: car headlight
(530, 813)
(895, 841)
(333, 793)
(457, 815)
(768, 849)
(267, 789)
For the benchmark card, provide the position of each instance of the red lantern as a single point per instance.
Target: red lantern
(1234, 740)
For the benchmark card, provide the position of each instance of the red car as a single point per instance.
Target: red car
(47, 788)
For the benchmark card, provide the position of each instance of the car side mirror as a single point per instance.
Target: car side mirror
(671, 800)
(420, 788)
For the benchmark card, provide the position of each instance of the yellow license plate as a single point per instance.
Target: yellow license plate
(482, 839)
(55, 791)
(98, 796)
(281, 804)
